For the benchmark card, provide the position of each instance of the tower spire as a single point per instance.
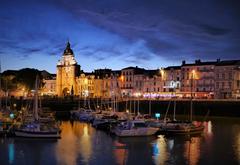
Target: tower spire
(68, 50)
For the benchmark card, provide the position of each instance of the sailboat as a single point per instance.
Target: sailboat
(83, 114)
(6, 120)
(178, 127)
(36, 128)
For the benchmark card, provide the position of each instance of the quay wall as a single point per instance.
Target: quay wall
(224, 108)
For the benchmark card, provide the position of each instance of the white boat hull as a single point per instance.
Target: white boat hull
(136, 132)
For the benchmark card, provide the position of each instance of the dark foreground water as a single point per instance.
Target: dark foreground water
(82, 144)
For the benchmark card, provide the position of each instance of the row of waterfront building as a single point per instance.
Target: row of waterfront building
(211, 79)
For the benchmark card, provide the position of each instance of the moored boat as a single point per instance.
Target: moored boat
(36, 128)
(181, 128)
(134, 128)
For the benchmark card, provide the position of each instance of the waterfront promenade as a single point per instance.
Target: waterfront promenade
(201, 107)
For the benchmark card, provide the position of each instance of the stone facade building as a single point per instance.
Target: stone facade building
(198, 79)
(49, 87)
(227, 79)
(212, 79)
(132, 80)
(172, 79)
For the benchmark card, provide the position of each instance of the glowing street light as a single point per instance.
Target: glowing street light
(157, 115)
(162, 72)
(11, 115)
(193, 74)
(122, 78)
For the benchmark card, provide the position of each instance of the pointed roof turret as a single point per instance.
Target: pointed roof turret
(67, 57)
(68, 50)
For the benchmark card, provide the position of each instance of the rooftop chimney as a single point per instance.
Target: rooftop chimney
(197, 61)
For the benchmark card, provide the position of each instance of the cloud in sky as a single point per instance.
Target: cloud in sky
(116, 34)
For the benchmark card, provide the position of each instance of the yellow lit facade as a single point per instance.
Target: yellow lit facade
(70, 80)
(67, 72)
(214, 79)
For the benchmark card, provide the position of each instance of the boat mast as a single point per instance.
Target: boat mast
(138, 105)
(150, 107)
(6, 94)
(165, 116)
(116, 103)
(97, 102)
(130, 104)
(89, 106)
(85, 99)
(191, 104)
(79, 101)
(134, 106)
(0, 86)
(174, 111)
(35, 109)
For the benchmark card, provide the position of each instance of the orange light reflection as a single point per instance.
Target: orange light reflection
(75, 141)
(160, 154)
(192, 150)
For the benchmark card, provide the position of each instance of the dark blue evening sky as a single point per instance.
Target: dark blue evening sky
(118, 33)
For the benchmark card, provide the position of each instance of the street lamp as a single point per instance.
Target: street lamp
(122, 78)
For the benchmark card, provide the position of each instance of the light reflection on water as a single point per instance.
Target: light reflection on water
(160, 150)
(236, 145)
(86, 145)
(67, 147)
(82, 144)
(76, 141)
(192, 150)
(11, 153)
(120, 152)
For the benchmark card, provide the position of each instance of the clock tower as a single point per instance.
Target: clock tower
(67, 72)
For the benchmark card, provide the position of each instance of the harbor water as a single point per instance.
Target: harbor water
(82, 144)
